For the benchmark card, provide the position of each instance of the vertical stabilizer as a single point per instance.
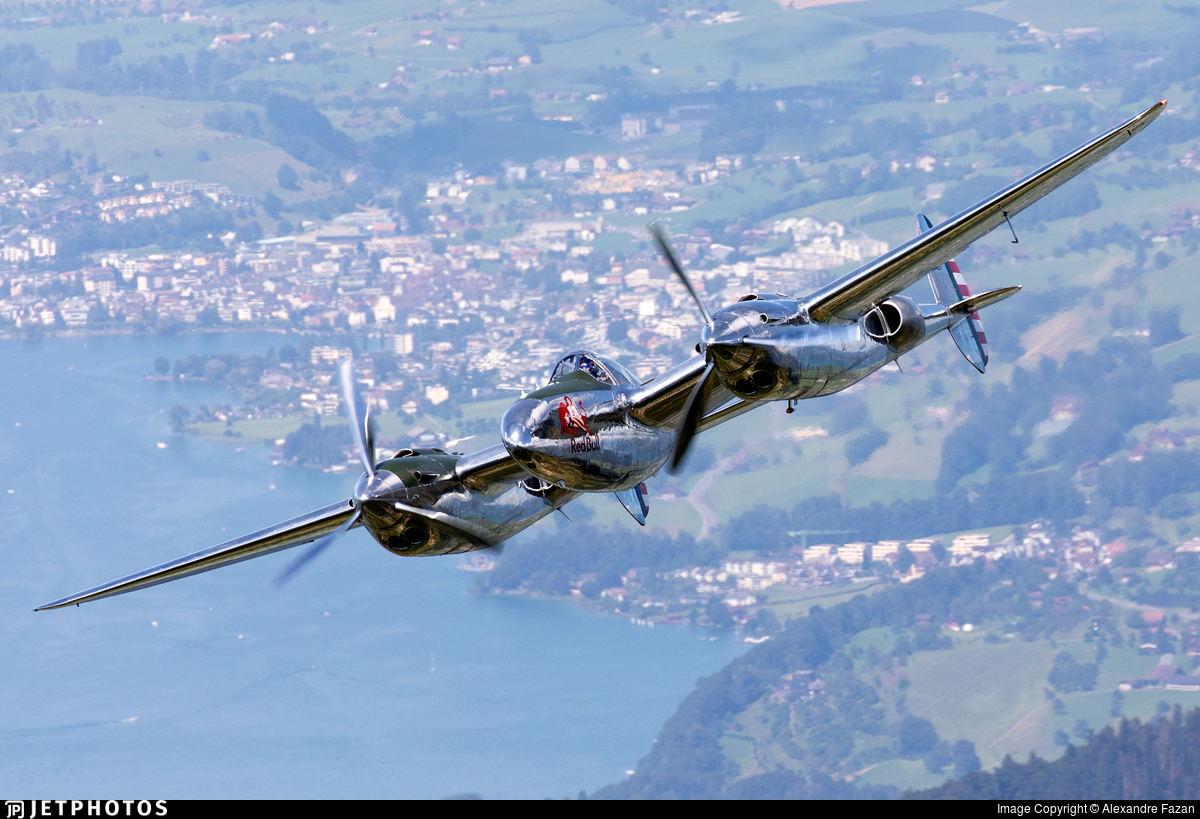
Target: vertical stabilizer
(949, 288)
(635, 502)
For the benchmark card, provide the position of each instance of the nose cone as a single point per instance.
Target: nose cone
(380, 486)
(519, 426)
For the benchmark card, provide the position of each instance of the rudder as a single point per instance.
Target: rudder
(949, 288)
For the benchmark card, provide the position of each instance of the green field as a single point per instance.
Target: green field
(992, 694)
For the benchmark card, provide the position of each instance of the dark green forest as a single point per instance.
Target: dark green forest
(1159, 759)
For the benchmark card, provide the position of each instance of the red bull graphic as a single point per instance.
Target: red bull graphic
(571, 418)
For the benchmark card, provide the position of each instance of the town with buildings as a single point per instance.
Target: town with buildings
(459, 317)
(446, 301)
(741, 585)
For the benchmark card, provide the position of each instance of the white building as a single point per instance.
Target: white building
(384, 310)
(852, 552)
(968, 545)
(402, 343)
(884, 548)
(819, 553)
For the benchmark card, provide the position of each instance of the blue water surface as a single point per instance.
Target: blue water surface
(368, 676)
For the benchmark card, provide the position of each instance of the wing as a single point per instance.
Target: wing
(660, 400)
(488, 467)
(284, 535)
(852, 295)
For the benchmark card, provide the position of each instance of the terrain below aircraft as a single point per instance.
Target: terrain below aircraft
(595, 428)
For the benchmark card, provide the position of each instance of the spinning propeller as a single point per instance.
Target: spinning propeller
(369, 487)
(694, 408)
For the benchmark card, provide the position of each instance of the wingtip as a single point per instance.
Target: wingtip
(57, 604)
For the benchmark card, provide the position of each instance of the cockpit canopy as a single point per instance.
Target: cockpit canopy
(599, 367)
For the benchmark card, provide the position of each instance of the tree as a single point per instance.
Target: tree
(917, 737)
(92, 54)
(179, 416)
(766, 622)
(1164, 326)
(288, 179)
(718, 613)
(250, 232)
(939, 757)
(964, 757)
(860, 448)
(317, 445)
(1068, 675)
(97, 314)
(272, 204)
(215, 369)
(618, 331)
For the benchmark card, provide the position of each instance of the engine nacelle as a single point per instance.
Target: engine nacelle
(896, 322)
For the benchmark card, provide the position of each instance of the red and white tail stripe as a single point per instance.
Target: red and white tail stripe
(965, 293)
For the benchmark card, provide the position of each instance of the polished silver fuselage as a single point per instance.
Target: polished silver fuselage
(613, 452)
(588, 437)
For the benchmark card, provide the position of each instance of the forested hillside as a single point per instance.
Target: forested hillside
(845, 727)
(1155, 760)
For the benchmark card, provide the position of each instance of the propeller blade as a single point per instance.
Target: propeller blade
(369, 434)
(346, 376)
(758, 342)
(665, 246)
(315, 550)
(692, 411)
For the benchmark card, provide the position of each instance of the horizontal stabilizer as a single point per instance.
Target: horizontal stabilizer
(969, 305)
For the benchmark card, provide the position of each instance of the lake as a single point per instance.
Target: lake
(368, 676)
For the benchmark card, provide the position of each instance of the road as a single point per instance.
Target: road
(698, 496)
